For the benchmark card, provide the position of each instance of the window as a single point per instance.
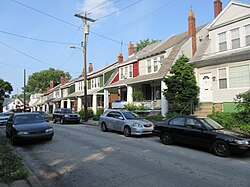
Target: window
(193, 123)
(239, 76)
(235, 38)
(177, 122)
(131, 70)
(149, 66)
(247, 29)
(155, 65)
(223, 41)
(222, 78)
(95, 83)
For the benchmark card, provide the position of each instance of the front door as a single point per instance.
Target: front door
(206, 87)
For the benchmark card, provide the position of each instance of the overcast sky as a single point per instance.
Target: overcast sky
(37, 34)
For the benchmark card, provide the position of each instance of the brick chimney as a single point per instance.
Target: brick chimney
(120, 58)
(51, 85)
(192, 30)
(62, 81)
(90, 68)
(217, 7)
(130, 49)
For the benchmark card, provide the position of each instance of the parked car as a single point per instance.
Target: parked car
(4, 118)
(28, 127)
(202, 132)
(125, 121)
(44, 114)
(65, 115)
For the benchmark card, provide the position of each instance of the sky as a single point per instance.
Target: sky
(36, 35)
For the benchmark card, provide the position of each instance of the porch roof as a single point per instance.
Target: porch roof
(92, 91)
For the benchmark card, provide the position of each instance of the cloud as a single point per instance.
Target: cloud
(97, 8)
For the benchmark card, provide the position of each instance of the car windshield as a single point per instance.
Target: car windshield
(211, 124)
(130, 115)
(31, 118)
(67, 111)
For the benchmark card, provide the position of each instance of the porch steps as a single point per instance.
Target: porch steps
(203, 109)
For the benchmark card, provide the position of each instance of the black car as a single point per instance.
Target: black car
(4, 118)
(28, 127)
(202, 132)
(65, 115)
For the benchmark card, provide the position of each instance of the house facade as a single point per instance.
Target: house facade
(13, 105)
(223, 63)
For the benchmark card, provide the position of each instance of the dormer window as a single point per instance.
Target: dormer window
(235, 33)
(153, 65)
(149, 66)
(126, 72)
(223, 41)
(95, 83)
(247, 29)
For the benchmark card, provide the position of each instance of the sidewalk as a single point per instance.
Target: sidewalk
(91, 122)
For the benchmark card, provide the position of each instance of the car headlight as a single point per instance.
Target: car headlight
(137, 125)
(66, 115)
(22, 133)
(241, 142)
(49, 130)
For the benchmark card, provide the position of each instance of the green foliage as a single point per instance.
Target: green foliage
(243, 107)
(142, 107)
(90, 113)
(131, 107)
(137, 95)
(154, 118)
(181, 85)
(39, 81)
(172, 114)
(5, 90)
(12, 167)
(143, 43)
(99, 112)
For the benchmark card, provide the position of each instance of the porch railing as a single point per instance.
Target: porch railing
(191, 105)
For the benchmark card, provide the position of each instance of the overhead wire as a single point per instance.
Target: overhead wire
(97, 6)
(104, 7)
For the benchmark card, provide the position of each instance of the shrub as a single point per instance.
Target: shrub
(137, 95)
(99, 112)
(156, 117)
(142, 107)
(244, 107)
(131, 107)
(226, 119)
(90, 113)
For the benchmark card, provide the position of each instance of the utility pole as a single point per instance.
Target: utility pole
(86, 32)
(24, 91)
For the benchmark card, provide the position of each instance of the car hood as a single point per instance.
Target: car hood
(234, 134)
(140, 121)
(33, 126)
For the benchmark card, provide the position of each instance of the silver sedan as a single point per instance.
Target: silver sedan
(126, 122)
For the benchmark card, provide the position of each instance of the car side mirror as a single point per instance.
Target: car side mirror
(120, 117)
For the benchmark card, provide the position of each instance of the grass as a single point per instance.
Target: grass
(12, 168)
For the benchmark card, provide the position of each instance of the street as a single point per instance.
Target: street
(83, 155)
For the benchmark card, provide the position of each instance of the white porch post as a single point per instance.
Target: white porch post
(94, 105)
(47, 107)
(129, 94)
(62, 103)
(68, 103)
(43, 108)
(54, 107)
(164, 102)
(106, 99)
(79, 103)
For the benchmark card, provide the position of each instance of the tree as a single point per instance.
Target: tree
(5, 91)
(181, 85)
(143, 43)
(39, 81)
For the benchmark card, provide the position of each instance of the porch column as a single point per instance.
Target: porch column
(62, 103)
(43, 108)
(54, 107)
(129, 94)
(79, 103)
(106, 99)
(94, 105)
(164, 102)
(68, 103)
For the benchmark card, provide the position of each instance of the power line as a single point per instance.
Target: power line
(97, 6)
(104, 7)
(36, 39)
(120, 9)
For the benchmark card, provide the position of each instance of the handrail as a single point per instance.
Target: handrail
(191, 104)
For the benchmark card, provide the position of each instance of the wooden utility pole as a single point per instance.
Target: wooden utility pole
(86, 32)
(24, 91)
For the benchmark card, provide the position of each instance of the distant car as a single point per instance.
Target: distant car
(4, 118)
(28, 127)
(202, 132)
(64, 115)
(43, 114)
(126, 122)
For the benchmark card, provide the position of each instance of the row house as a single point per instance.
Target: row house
(223, 63)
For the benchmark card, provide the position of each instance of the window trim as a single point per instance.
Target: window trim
(219, 42)
(234, 39)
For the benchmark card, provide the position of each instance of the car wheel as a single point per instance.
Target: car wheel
(166, 138)
(127, 131)
(54, 120)
(13, 140)
(62, 121)
(220, 148)
(104, 127)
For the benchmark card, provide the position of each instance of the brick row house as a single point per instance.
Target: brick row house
(219, 51)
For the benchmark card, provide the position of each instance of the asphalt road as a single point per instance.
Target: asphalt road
(82, 155)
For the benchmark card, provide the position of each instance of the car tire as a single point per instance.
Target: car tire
(127, 131)
(166, 138)
(13, 140)
(221, 148)
(62, 121)
(54, 120)
(104, 127)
